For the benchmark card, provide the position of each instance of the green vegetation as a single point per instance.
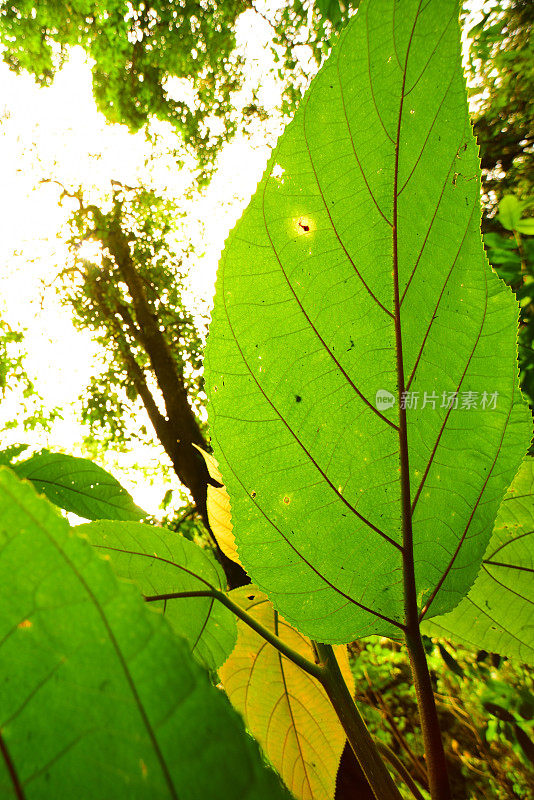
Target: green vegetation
(136, 48)
(366, 416)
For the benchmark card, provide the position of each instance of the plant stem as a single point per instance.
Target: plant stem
(438, 778)
(399, 767)
(358, 736)
(519, 243)
(308, 666)
(327, 672)
(437, 768)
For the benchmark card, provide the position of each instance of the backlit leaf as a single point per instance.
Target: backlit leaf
(498, 613)
(161, 562)
(286, 709)
(356, 274)
(79, 485)
(98, 698)
(510, 211)
(219, 509)
(7, 455)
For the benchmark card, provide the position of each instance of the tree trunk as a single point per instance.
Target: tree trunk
(179, 429)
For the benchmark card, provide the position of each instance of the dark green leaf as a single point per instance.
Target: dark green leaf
(98, 699)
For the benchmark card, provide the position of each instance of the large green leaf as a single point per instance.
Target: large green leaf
(497, 614)
(160, 562)
(358, 273)
(98, 699)
(79, 485)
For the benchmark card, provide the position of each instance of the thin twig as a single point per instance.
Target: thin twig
(399, 767)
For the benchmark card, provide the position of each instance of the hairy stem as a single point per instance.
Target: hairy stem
(358, 736)
(438, 778)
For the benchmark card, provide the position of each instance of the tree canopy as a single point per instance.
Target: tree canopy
(137, 48)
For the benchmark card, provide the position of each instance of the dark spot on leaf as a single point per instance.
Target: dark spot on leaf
(250, 597)
(253, 494)
(304, 227)
(298, 398)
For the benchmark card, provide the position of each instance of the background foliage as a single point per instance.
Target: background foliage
(136, 49)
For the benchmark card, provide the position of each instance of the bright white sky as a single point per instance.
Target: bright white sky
(58, 133)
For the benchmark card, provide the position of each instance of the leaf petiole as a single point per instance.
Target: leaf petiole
(327, 672)
(316, 670)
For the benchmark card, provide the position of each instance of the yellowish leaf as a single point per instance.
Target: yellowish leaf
(286, 709)
(219, 509)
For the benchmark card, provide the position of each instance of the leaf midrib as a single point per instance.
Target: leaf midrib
(13, 774)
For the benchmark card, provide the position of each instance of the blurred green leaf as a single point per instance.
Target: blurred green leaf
(496, 241)
(525, 226)
(509, 212)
